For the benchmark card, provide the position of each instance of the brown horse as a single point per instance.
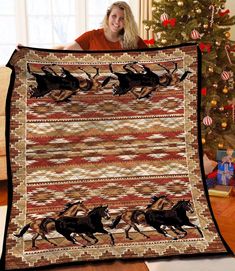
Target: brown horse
(41, 226)
(131, 217)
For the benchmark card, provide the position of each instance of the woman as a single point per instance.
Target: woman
(119, 31)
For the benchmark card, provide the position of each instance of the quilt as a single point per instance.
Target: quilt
(104, 157)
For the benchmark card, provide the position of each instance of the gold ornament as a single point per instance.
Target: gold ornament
(180, 3)
(163, 41)
(224, 124)
(203, 140)
(213, 103)
(227, 35)
(220, 145)
(221, 109)
(198, 11)
(210, 69)
(225, 90)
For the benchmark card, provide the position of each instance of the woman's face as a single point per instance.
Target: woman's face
(116, 20)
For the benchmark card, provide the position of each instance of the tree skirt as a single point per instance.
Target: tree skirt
(104, 159)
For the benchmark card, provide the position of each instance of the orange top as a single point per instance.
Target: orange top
(96, 40)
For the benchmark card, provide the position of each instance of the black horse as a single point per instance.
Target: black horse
(87, 225)
(145, 79)
(65, 82)
(174, 218)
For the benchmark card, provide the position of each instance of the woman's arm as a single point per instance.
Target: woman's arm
(72, 46)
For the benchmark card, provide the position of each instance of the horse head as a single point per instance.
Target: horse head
(185, 205)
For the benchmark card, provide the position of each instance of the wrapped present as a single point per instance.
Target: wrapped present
(211, 182)
(225, 173)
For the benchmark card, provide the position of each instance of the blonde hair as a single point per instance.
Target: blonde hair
(129, 35)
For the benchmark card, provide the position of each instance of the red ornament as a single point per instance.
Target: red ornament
(207, 121)
(164, 17)
(195, 35)
(225, 75)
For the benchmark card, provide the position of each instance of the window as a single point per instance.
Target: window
(47, 23)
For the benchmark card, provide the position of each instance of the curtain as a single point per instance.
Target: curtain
(145, 13)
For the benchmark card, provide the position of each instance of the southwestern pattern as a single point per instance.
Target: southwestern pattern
(103, 152)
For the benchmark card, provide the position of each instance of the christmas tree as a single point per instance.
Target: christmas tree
(208, 24)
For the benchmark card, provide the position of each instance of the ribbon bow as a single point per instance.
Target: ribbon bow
(170, 21)
(149, 42)
(205, 46)
(223, 13)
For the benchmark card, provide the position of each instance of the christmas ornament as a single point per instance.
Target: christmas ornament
(164, 17)
(212, 8)
(215, 85)
(220, 145)
(221, 109)
(198, 11)
(163, 41)
(213, 102)
(227, 35)
(180, 3)
(195, 34)
(210, 69)
(218, 43)
(224, 124)
(147, 27)
(205, 26)
(203, 140)
(227, 49)
(207, 121)
(225, 75)
(225, 90)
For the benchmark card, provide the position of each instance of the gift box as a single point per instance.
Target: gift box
(211, 182)
(225, 173)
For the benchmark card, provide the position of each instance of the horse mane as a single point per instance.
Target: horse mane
(67, 206)
(179, 203)
(155, 199)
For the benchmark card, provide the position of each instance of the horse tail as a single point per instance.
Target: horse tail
(115, 222)
(23, 231)
(135, 216)
(45, 221)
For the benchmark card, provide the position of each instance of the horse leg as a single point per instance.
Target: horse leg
(181, 230)
(137, 229)
(45, 238)
(110, 235)
(34, 240)
(92, 236)
(163, 231)
(195, 227)
(127, 232)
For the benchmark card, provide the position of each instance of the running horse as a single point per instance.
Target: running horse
(175, 219)
(131, 216)
(87, 224)
(42, 226)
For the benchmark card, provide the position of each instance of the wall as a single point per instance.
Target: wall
(231, 6)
